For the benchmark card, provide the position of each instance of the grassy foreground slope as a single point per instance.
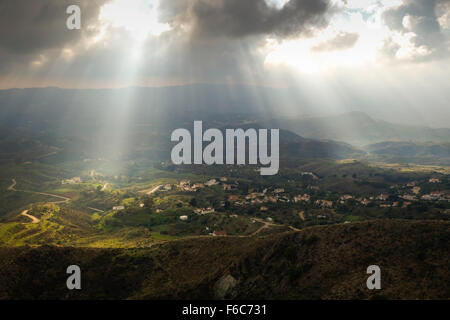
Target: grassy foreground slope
(316, 263)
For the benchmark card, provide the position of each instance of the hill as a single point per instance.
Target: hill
(316, 263)
(82, 113)
(359, 129)
(294, 147)
(410, 152)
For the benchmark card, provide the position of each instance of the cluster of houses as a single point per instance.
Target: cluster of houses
(186, 185)
(306, 197)
(436, 196)
(277, 195)
(324, 203)
(259, 197)
(411, 193)
(416, 190)
(382, 200)
(202, 211)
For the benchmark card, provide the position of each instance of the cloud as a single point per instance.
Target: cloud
(238, 19)
(208, 41)
(29, 28)
(419, 22)
(343, 41)
(169, 57)
(212, 40)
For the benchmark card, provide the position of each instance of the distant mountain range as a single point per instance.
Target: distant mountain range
(70, 109)
(410, 152)
(359, 129)
(138, 122)
(293, 146)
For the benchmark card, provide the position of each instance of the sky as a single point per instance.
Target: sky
(391, 53)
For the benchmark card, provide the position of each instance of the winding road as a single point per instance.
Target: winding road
(33, 218)
(154, 189)
(24, 213)
(63, 199)
(12, 187)
(265, 225)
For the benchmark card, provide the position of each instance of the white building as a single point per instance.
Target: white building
(211, 183)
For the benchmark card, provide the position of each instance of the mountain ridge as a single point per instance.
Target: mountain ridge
(325, 262)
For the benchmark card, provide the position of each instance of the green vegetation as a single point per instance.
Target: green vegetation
(168, 231)
(80, 211)
(316, 263)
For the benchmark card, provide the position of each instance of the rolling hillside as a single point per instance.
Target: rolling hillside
(316, 263)
(409, 152)
(359, 129)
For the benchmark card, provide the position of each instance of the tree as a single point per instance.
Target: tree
(149, 202)
(193, 202)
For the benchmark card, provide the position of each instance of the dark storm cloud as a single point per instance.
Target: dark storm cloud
(238, 18)
(27, 26)
(421, 19)
(30, 29)
(171, 55)
(344, 40)
(210, 40)
(221, 40)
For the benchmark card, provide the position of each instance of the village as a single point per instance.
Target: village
(228, 196)
(228, 202)
(403, 194)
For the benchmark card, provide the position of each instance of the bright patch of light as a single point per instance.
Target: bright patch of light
(39, 62)
(300, 53)
(67, 54)
(368, 5)
(139, 17)
(277, 3)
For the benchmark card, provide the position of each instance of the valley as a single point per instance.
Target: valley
(107, 196)
(150, 203)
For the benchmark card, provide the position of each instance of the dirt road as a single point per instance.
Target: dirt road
(154, 189)
(302, 215)
(63, 199)
(33, 218)
(12, 187)
(265, 225)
